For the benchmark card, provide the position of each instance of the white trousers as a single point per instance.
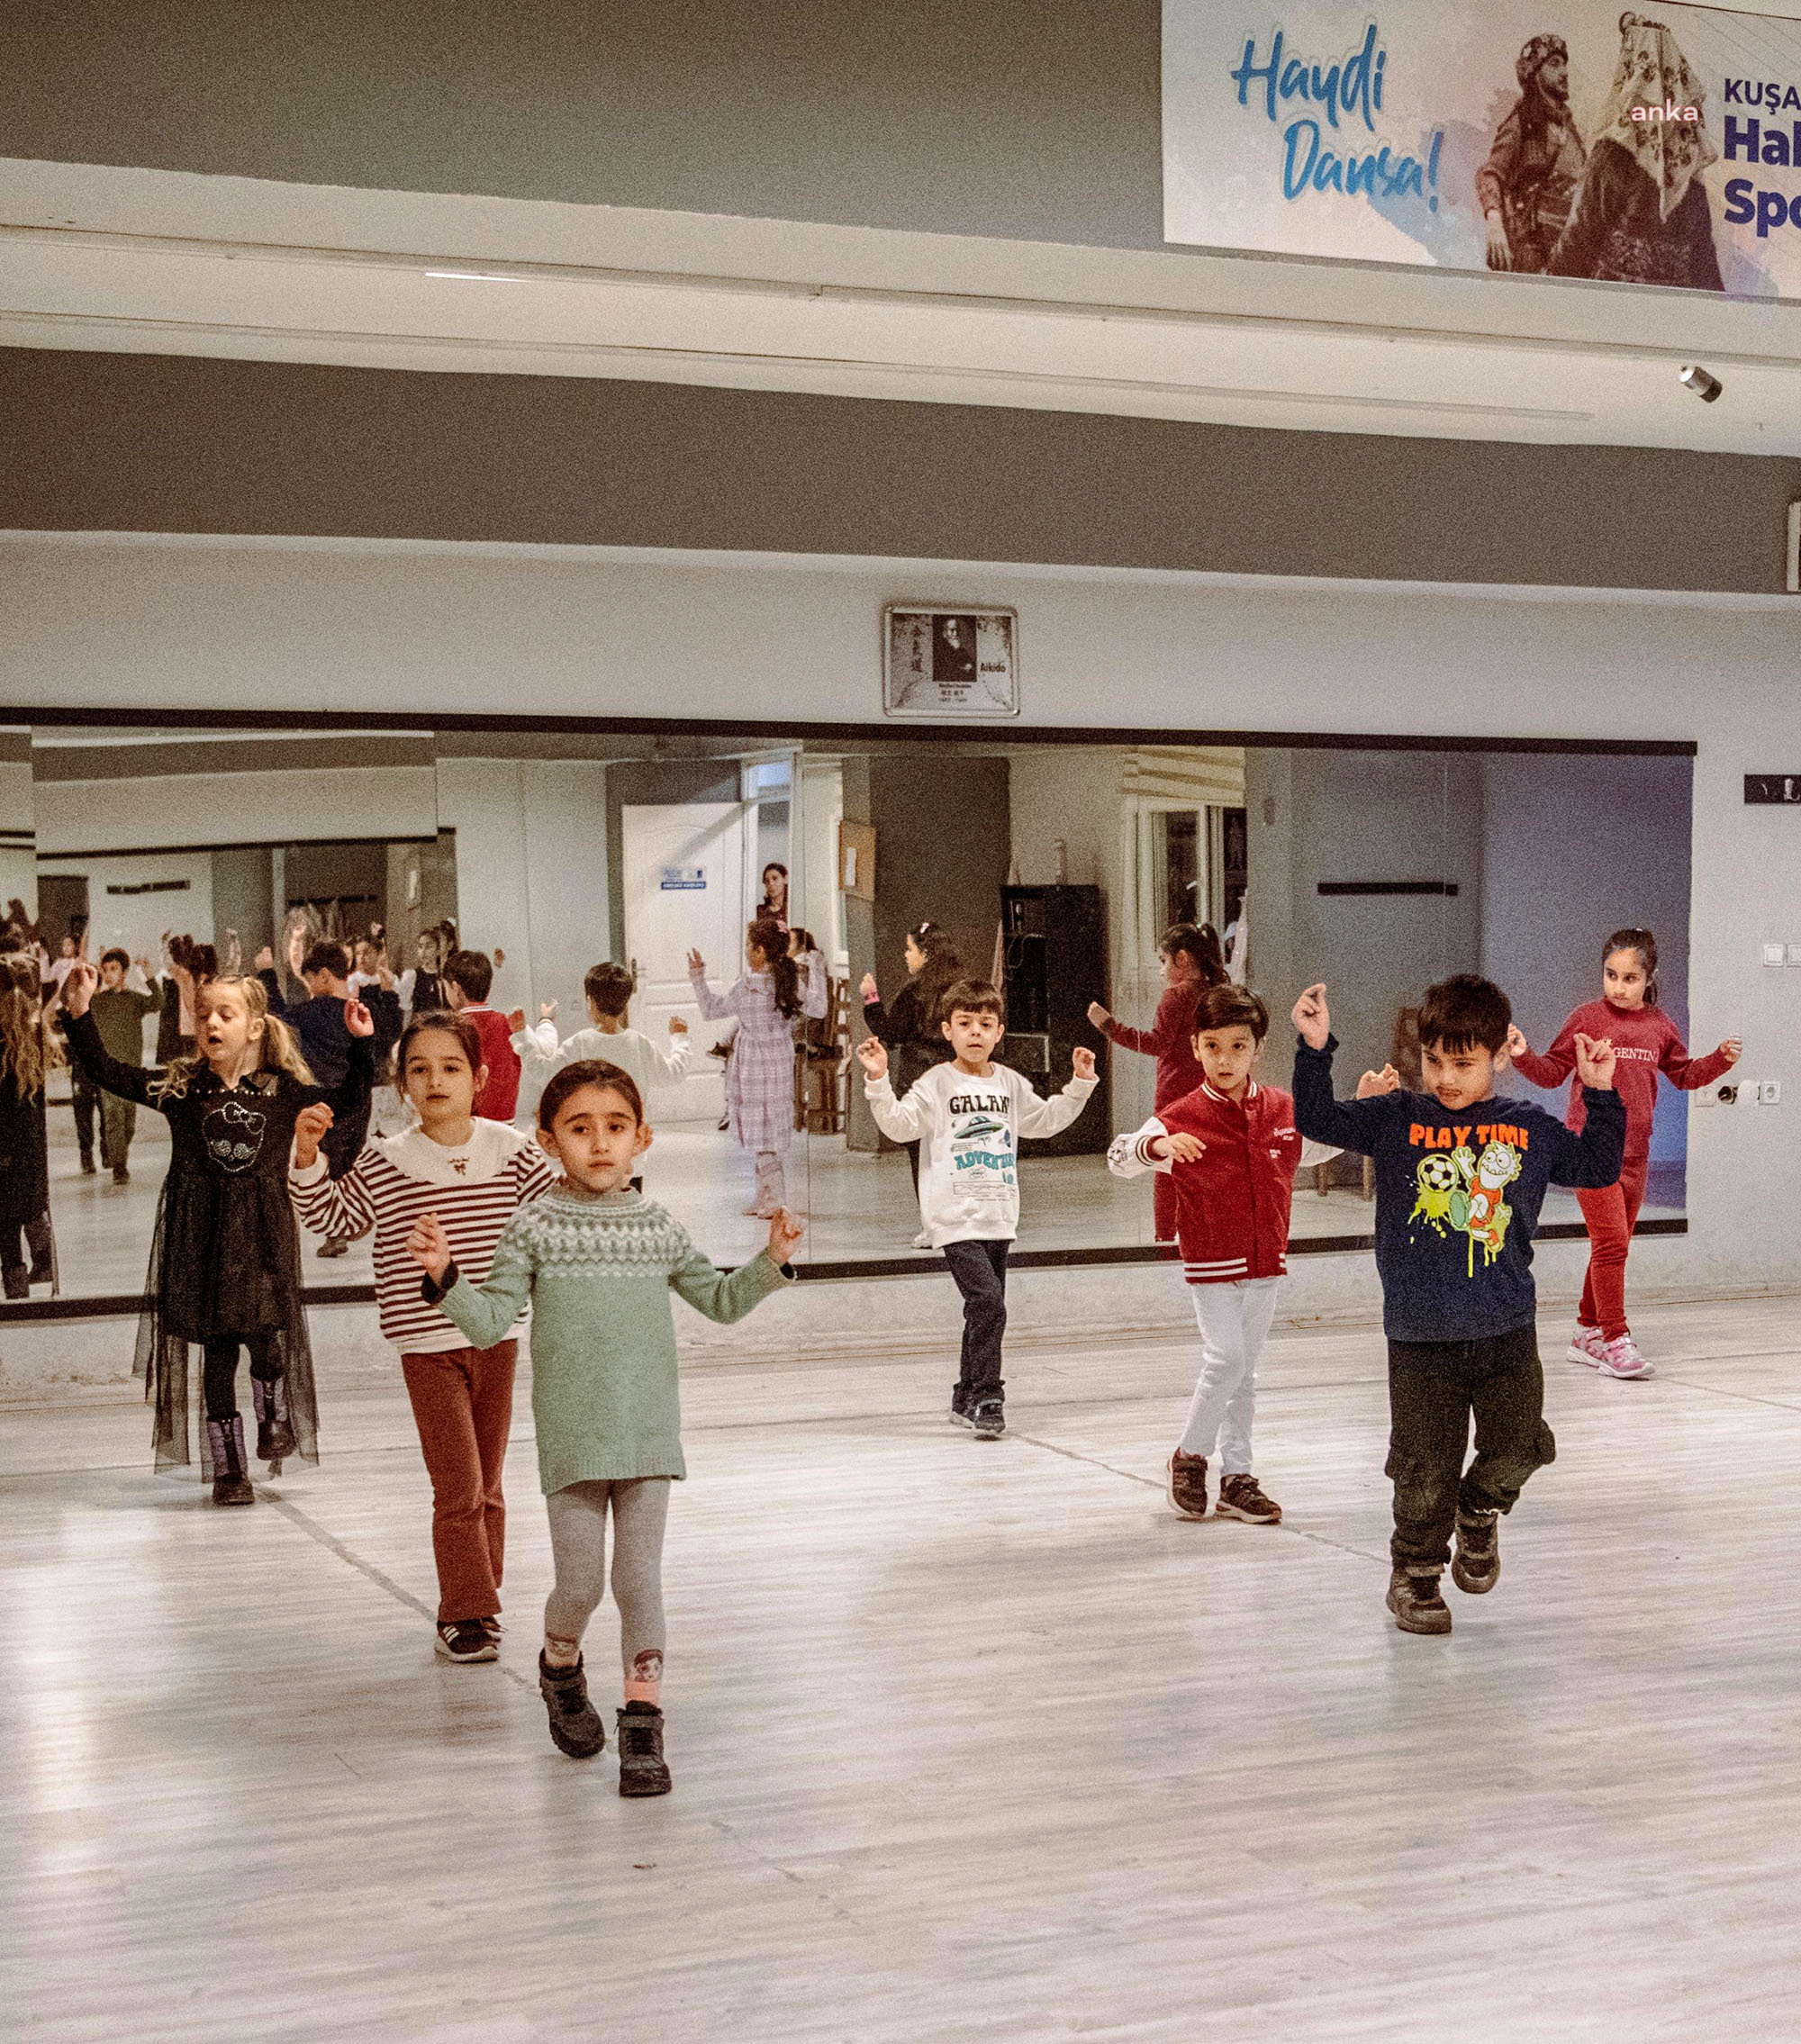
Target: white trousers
(1234, 1324)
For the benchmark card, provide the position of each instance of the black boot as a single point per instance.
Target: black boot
(1417, 1602)
(575, 1727)
(274, 1429)
(643, 1771)
(230, 1485)
(41, 1244)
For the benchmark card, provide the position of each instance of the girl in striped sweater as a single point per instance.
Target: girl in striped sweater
(474, 1175)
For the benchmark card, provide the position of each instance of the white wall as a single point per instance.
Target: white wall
(281, 806)
(531, 873)
(136, 921)
(103, 623)
(18, 859)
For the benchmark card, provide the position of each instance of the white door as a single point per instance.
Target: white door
(685, 890)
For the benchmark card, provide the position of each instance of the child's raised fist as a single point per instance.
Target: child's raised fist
(784, 1235)
(1732, 1050)
(309, 1126)
(1517, 1046)
(358, 1019)
(1595, 1062)
(872, 1054)
(1082, 1059)
(1373, 1083)
(1312, 1018)
(428, 1246)
(78, 989)
(867, 989)
(1098, 1014)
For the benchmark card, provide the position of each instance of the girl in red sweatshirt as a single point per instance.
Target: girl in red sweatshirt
(1645, 1042)
(1229, 1150)
(1192, 962)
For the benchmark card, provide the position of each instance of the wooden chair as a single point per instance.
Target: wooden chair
(822, 1067)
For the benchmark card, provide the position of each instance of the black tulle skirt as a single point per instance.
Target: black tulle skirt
(224, 1264)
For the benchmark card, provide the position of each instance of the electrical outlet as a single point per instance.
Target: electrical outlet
(1769, 1093)
(1795, 954)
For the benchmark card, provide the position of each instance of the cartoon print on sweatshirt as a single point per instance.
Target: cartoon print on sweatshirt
(1461, 1191)
(982, 1137)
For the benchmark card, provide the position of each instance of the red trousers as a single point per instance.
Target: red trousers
(462, 1403)
(1610, 1215)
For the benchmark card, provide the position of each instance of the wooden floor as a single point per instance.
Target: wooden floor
(969, 1741)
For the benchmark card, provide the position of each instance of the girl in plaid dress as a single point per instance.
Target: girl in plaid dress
(760, 1076)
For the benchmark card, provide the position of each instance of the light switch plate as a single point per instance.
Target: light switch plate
(1774, 954)
(1795, 954)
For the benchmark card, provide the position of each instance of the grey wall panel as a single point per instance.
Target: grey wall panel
(1035, 119)
(183, 444)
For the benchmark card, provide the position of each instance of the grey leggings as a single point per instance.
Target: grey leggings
(578, 1548)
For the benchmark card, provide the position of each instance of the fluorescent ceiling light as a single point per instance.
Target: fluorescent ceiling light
(475, 276)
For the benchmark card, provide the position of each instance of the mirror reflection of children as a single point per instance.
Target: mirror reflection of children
(225, 1257)
(1645, 1042)
(609, 989)
(1191, 961)
(118, 1011)
(474, 1175)
(766, 1000)
(597, 1262)
(28, 1054)
(971, 1114)
(1229, 1149)
(1461, 1174)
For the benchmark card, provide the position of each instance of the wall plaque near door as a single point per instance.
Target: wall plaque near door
(1773, 787)
(937, 661)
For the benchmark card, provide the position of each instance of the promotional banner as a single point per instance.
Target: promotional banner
(1564, 139)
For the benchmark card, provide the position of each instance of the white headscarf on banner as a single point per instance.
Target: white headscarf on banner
(1653, 73)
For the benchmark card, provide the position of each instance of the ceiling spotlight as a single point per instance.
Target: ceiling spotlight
(1702, 381)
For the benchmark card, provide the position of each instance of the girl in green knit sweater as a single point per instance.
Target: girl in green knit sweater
(598, 1261)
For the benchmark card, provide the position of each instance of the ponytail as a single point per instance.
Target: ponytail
(772, 940)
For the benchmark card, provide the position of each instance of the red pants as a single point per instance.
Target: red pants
(1610, 1215)
(462, 1403)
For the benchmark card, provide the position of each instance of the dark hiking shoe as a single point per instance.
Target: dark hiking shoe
(1416, 1604)
(1477, 1565)
(1188, 1484)
(987, 1416)
(87, 1163)
(230, 1484)
(960, 1415)
(17, 1285)
(466, 1639)
(1242, 1497)
(643, 1771)
(120, 1176)
(575, 1727)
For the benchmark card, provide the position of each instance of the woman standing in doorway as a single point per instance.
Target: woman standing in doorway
(774, 905)
(907, 1028)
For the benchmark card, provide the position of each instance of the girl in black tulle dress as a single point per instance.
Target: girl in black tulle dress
(225, 1257)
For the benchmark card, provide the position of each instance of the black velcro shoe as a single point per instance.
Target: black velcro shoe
(575, 1727)
(988, 1417)
(232, 1484)
(643, 1771)
(1416, 1604)
(1476, 1567)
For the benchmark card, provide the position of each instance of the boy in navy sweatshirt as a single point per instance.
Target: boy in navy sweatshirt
(1460, 1175)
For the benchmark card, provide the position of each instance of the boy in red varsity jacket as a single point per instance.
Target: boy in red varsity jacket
(1231, 1149)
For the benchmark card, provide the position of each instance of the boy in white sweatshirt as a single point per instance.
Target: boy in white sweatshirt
(970, 1114)
(609, 989)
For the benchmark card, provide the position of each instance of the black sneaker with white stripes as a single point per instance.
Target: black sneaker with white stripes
(987, 1415)
(961, 1414)
(466, 1639)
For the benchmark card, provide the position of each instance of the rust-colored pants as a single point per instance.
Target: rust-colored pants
(1610, 1214)
(462, 1404)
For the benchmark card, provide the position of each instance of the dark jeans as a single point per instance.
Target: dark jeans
(1433, 1388)
(221, 1370)
(84, 1099)
(979, 1269)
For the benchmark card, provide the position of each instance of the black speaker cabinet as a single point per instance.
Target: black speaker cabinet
(1054, 942)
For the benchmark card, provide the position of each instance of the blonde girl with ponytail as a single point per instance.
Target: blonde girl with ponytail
(27, 1053)
(225, 1255)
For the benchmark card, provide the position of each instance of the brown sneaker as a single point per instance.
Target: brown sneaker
(1188, 1484)
(1416, 1604)
(1242, 1497)
(1476, 1567)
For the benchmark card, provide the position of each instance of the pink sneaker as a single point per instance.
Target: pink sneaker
(1620, 1358)
(1586, 1345)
